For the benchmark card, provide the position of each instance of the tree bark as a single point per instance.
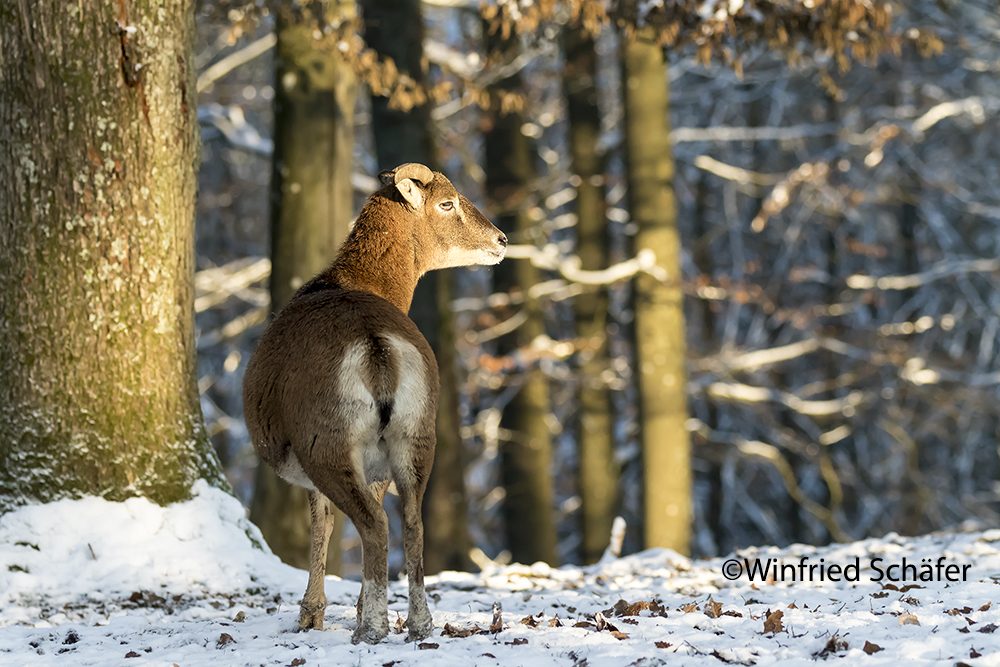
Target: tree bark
(311, 213)
(527, 457)
(394, 28)
(598, 475)
(99, 143)
(658, 306)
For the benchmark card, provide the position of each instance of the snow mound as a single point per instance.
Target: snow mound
(192, 584)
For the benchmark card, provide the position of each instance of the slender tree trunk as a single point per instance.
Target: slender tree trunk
(311, 213)
(394, 28)
(598, 476)
(659, 307)
(99, 144)
(527, 457)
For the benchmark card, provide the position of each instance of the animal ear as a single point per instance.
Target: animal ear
(386, 177)
(411, 192)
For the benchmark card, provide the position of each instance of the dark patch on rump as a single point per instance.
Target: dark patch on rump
(383, 376)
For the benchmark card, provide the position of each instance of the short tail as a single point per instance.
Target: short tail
(383, 377)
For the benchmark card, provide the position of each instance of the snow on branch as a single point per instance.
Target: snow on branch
(549, 258)
(744, 393)
(232, 124)
(726, 133)
(974, 106)
(751, 361)
(946, 269)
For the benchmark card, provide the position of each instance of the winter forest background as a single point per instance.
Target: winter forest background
(836, 266)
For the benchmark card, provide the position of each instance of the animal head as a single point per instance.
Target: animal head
(451, 229)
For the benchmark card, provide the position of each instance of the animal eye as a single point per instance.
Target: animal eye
(447, 205)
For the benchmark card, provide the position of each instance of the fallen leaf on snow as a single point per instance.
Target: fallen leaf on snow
(872, 648)
(689, 608)
(713, 609)
(772, 621)
(225, 638)
(426, 645)
(908, 619)
(460, 632)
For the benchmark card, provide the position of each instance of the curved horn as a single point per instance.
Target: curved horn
(414, 171)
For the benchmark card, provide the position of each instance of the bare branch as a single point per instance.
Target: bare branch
(213, 286)
(732, 173)
(215, 72)
(234, 328)
(771, 454)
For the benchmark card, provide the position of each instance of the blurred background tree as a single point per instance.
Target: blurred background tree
(311, 210)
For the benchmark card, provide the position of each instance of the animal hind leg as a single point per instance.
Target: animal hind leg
(411, 482)
(378, 489)
(314, 602)
(359, 503)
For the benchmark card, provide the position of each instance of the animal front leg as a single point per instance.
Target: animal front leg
(314, 602)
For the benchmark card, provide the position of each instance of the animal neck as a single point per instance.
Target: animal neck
(381, 254)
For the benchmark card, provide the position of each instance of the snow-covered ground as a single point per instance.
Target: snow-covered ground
(89, 582)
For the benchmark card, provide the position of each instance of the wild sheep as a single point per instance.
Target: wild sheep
(340, 396)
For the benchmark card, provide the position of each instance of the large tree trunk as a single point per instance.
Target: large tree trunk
(598, 477)
(311, 213)
(394, 28)
(99, 144)
(526, 458)
(659, 306)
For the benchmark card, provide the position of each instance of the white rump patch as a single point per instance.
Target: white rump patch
(357, 405)
(410, 401)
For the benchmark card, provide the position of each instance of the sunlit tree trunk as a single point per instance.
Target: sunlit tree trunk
(394, 28)
(98, 152)
(598, 476)
(658, 305)
(527, 456)
(311, 213)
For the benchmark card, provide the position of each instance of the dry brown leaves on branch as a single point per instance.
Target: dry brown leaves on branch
(858, 30)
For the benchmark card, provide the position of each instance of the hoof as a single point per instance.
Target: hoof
(311, 619)
(420, 625)
(368, 635)
(420, 633)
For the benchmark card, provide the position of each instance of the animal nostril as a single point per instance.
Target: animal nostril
(502, 240)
